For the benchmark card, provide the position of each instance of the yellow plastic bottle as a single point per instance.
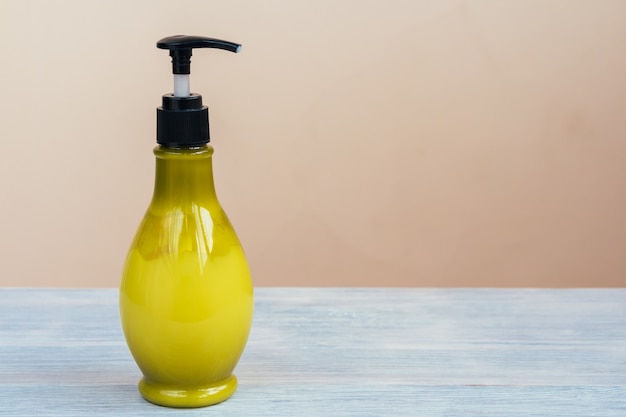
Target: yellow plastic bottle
(186, 297)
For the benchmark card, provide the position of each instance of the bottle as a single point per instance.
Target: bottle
(186, 296)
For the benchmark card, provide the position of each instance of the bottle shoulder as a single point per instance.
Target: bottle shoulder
(195, 228)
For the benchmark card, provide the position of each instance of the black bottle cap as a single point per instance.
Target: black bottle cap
(182, 120)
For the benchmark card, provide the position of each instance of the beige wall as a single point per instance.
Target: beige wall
(441, 143)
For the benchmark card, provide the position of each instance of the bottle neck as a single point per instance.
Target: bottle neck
(184, 176)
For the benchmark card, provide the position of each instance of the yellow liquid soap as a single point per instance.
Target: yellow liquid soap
(186, 297)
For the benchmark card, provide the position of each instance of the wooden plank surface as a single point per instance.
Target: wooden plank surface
(339, 352)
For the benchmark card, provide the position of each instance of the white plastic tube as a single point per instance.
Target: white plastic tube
(181, 85)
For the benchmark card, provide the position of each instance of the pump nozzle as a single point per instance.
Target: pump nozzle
(182, 120)
(180, 47)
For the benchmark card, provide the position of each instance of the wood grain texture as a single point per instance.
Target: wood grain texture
(339, 352)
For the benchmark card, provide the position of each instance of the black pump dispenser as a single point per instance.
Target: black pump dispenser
(182, 120)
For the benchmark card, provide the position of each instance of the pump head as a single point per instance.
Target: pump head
(180, 47)
(182, 120)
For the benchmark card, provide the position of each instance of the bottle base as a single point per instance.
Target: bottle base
(184, 397)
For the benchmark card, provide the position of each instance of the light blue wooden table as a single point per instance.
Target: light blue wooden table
(339, 352)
